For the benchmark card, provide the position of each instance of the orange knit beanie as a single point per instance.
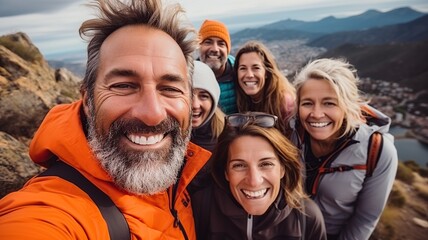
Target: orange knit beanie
(212, 28)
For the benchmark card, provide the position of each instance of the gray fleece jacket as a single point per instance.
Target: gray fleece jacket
(352, 203)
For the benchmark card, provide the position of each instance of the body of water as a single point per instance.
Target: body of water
(410, 148)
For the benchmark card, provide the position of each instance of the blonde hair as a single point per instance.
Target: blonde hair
(343, 79)
(217, 122)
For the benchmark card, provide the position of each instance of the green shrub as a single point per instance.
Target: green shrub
(422, 191)
(29, 54)
(423, 172)
(404, 173)
(412, 165)
(396, 198)
(385, 228)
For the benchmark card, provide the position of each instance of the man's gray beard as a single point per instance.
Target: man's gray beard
(139, 172)
(217, 64)
(214, 65)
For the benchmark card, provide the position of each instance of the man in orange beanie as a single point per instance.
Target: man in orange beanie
(214, 50)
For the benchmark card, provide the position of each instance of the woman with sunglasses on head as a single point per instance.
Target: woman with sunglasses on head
(261, 85)
(257, 186)
(334, 139)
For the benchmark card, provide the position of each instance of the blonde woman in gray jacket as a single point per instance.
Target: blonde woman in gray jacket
(333, 134)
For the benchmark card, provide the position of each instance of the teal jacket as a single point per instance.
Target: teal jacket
(227, 82)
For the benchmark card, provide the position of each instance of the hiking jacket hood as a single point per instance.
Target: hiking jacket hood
(49, 207)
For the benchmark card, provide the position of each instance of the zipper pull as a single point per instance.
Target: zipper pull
(175, 215)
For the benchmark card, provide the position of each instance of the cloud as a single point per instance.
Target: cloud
(53, 25)
(22, 7)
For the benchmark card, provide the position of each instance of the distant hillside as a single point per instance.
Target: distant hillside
(415, 30)
(265, 34)
(294, 29)
(366, 20)
(405, 63)
(77, 68)
(372, 42)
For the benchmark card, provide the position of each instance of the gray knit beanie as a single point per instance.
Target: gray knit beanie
(204, 78)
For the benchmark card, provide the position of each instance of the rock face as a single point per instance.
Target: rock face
(29, 87)
(15, 165)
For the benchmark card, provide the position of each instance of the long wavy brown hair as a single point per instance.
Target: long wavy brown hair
(291, 183)
(272, 96)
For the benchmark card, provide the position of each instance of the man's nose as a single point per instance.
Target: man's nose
(214, 47)
(149, 108)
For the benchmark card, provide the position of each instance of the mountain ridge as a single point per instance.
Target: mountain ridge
(369, 19)
(296, 29)
(414, 30)
(382, 46)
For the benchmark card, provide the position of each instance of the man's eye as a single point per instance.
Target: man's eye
(122, 86)
(171, 91)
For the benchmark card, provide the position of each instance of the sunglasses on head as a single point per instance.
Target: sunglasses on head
(257, 118)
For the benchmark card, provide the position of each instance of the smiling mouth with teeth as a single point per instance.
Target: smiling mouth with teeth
(255, 194)
(319, 124)
(213, 56)
(143, 140)
(250, 83)
(196, 115)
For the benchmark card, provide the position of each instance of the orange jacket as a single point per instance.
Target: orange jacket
(52, 208)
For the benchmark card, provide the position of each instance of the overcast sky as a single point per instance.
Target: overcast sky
(53, 25)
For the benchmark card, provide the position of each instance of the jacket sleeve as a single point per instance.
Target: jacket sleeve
(374, 194)
(315, 227)
(50, 208)
(40, 222)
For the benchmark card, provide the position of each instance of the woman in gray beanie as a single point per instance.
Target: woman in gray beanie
(207, 118)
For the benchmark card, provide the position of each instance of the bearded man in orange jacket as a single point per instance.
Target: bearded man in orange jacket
(129, 135)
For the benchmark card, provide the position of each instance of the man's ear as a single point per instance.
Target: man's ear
(85, 103)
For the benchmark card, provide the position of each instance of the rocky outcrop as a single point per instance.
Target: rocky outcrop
(15, 164)
(29, 87)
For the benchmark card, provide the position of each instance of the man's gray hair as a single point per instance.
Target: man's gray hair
(114, 14)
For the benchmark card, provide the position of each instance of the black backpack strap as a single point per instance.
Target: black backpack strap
(117, 226)
(373, 152)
